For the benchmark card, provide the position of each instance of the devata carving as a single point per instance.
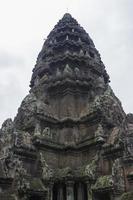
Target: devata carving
(91, 168)
(46, 171)
(70, 139)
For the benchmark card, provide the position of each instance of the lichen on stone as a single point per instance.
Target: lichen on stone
(90, 169)
(103, 182)
(36, 184)
(127, 196)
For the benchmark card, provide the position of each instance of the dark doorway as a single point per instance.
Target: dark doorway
(102, 196)
(83, 190)
(35, 197)
(56, 189)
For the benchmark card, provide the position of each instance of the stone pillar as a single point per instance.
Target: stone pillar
(89, 191)
(51, 191)
(60, 195)
(80, 192)
(69, 190)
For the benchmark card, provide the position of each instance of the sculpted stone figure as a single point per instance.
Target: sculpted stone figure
(46, 132)
(117, 173)
(46, 171)
(99, 133)
(91, 168)
(37, 131)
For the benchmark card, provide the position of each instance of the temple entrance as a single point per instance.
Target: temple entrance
(80, 191)
(36, 197)
(102, 196)
(59, 192)
(70, 190)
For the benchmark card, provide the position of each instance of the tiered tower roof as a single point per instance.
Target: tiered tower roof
(68, 48)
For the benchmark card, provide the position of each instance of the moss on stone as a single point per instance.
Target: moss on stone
(103, 182)
(127, 196)
(36, 184)
(64, 172)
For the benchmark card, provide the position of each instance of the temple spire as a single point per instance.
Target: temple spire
(68, 36)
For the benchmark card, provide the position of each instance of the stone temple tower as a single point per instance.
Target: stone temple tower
(71, 139)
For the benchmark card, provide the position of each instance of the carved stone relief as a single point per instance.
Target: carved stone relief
(47, 172)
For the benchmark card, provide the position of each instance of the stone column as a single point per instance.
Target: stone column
(69, 190)
(51, 191)
(60, 195)
(89, 191)
(80, 192)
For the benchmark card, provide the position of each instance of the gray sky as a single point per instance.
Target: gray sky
(24, 24)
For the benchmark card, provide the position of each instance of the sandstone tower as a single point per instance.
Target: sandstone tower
(71, 139)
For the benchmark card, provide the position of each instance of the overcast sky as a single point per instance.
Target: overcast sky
(24, 24)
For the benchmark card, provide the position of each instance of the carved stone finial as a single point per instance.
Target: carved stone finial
(58, 73)
(67, 52)
(37, 131)
(79, 40)
(77, 71)
(100, 83)
(67, 38)
(99, 133)
(73, 30)
(67, 71)
(81, 53)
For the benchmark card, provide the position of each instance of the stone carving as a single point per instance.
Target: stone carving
(130, 145)
(22, 139)
(117, 174)
(21, 174)
(129, 118)
(25, 117)
(58, 73)
(99, 134)
(103, 182)
(91, 168)
(7, 127)
(11, 164)
(46, 171)
(129, 138)
(37, 81)
(67, 52)
(79, 40)
(67, 38)
(77, 72)
(45, 78)
(81, 53)
(27, 139)
(37, 131)
(100, 83)
(67, 70)
(8, 164)
(114, 136)
(47, 133)
(107, 104)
